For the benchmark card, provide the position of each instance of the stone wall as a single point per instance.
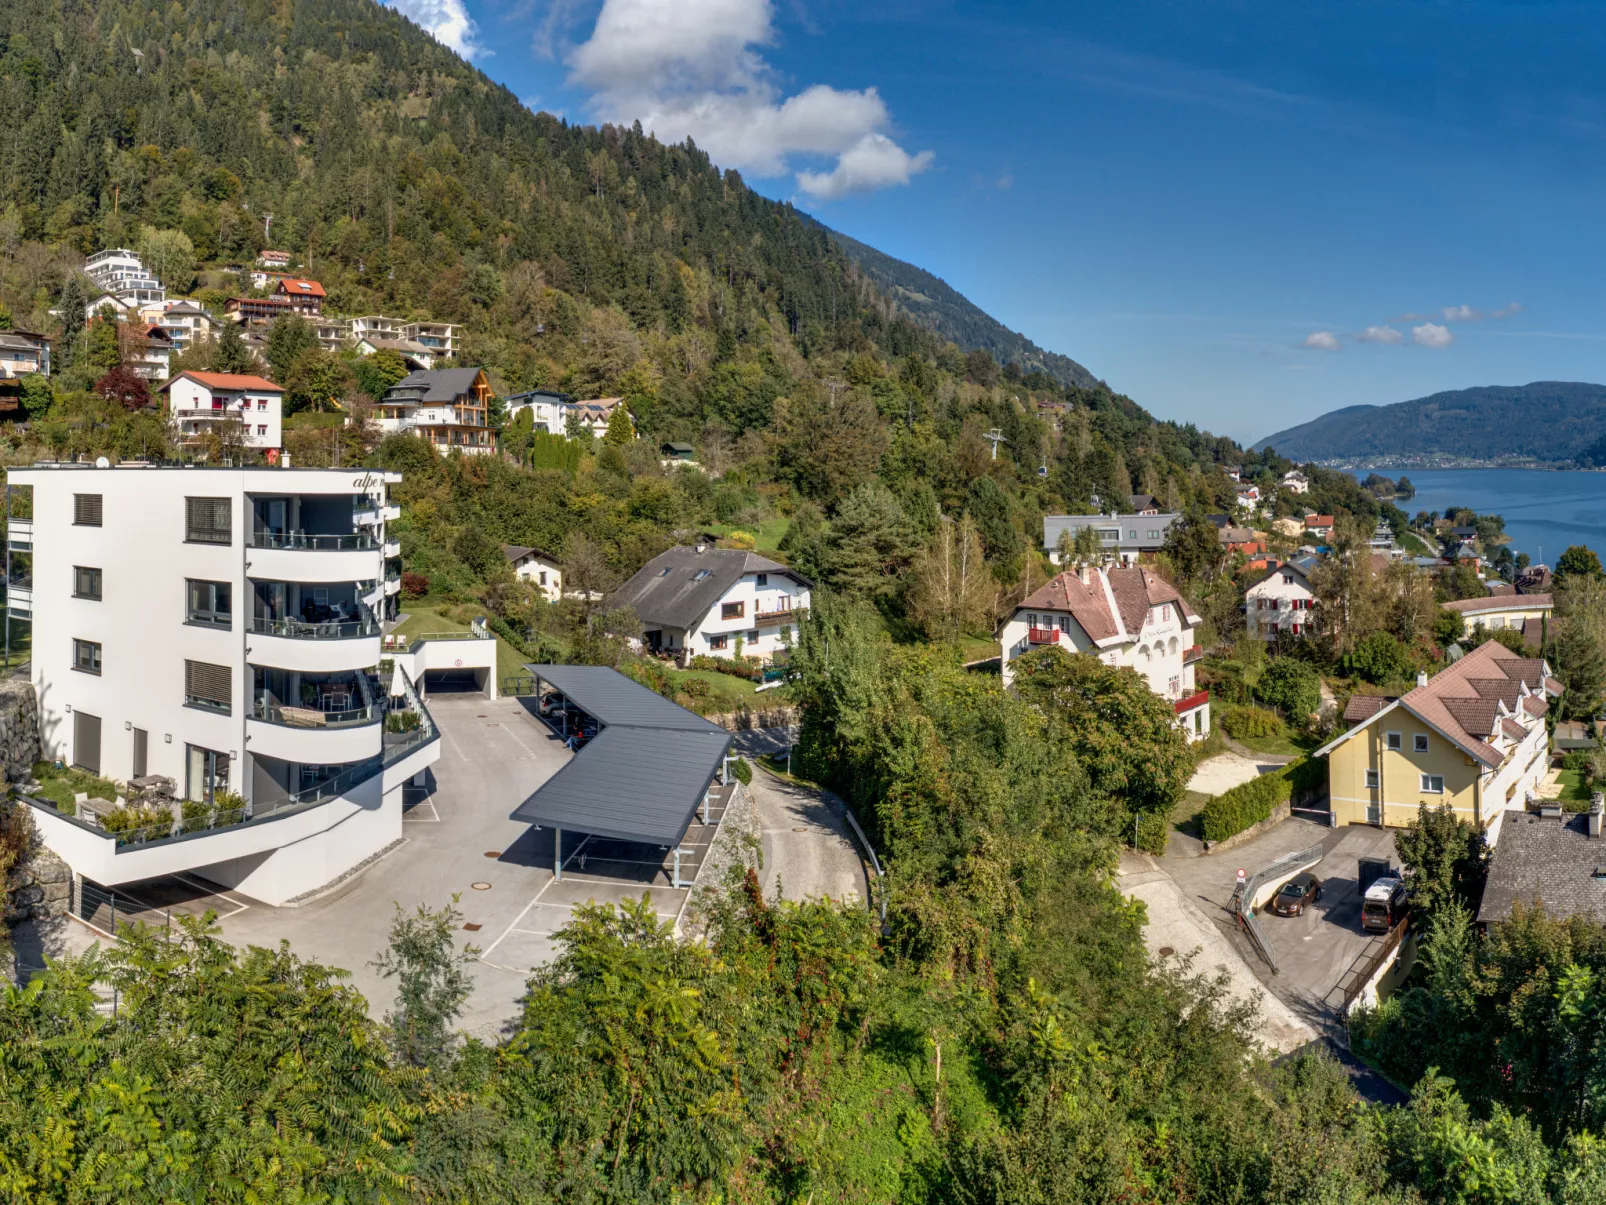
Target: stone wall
(40, 887)
(746, 721)
(19, 728)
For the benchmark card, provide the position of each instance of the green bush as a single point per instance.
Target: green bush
(1242, 722)
(1249, 803)
(736, 667)
(141, 824)
(743, 771)
(1291, 686)
(1151, 831)
(1577, 759)
(403, 721)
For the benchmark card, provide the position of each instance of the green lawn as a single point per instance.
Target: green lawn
(1286, 745)
(766, 536)
(977, 648)
(1415, 544)
(59, 786)
(1187, 814)
(1574, 788)
(509, 661)
(726, 692)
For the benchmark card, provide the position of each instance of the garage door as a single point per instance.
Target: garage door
(451, 681)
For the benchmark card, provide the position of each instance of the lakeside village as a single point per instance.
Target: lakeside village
(1328, 676)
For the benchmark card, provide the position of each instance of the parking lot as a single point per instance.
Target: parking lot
(1314, 951)
(458, 840)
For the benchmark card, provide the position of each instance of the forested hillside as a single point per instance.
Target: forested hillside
(1554, 421)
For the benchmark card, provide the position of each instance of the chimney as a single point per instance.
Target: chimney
(1597, 805)
(1421, 677)
(701, 545)
(1085, 572)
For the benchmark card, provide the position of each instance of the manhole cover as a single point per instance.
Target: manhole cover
(481, 886)
(484, 715)
(801, 829)
(493, 853)
(1166, 951)
(472, 926)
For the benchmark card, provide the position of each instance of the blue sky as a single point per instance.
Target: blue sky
(1242, 214)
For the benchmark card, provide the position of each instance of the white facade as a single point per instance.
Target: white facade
(1295, 482)
(1282, 601)
(548, 411)
(757, 616)
(152, 361)
(123, 274)
(23, 354)
(198, 402)
(541, 571)
(1157, 646)
(184, 323)
(218, 627)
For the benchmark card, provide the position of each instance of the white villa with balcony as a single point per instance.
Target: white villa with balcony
(197, 402)
(1283, 600)
(122, 275)
(1127, 617)
(715, 602)
(209, 639)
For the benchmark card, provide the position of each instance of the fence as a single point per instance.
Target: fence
(103, 910)
(1371, 959)
(1242, 904)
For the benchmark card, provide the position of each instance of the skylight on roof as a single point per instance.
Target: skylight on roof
(702, 575)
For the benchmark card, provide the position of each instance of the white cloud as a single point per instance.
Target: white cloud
(1005, 181)
(1322, 340)
(1380, 334)
(1461, 313)
(1430, 334)
(689, 69)
(447, 21)
(1514, 308)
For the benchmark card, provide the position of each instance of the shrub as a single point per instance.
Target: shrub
(1292, 686)
(737, 667)
(696, 688)
(1247, 804)
(742, 771)
(1151, 831)
(651, 675)
(1380, 658)
(403, 721)
(1576, 759)
(139, 824)
(414, 585)
(1242, 722)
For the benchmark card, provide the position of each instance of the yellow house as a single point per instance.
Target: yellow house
(1473, 736)
(1524, 612)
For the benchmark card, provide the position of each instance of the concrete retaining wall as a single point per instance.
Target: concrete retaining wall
(735, 843)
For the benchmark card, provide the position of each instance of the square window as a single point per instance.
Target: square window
(1371, 778)
(207, 521)
(86, 510)
(1392, 740)
(208, 686)
(1433, 784)
(735, 610)
(86, 656)
(763, 579)
(718, 642)
(1419, 742)
(209, 603)
(85, 582)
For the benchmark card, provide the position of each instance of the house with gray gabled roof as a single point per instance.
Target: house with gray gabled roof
(716, 602)
(1123, 538)
(450, 407)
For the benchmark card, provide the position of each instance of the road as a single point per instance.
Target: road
(809, 850)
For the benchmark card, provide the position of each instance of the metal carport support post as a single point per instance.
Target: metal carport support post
(676, 882)
(557, 855)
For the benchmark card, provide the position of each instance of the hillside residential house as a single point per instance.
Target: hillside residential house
(1281, 601)
(1472, 736)
(1233, 471)
(1319, 527)
(1143, 504)
(718, 602)
(1295, 482)
(1122, 537)
(450, 407)
(594, 414)
(1127, 617)
(305, 296)
(152, 359)
(184, 323)
(1248, 497)
(540, 569)
(122, 275)
(1550, 858)
(23, 353)
(1535, 579)
(258, 313)
(548, 409)
(1525, 612)
(277, 260)
(198, 401)
(210, 634)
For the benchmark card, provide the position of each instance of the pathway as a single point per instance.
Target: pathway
(809, 850)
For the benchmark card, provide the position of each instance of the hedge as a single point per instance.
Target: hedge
(1242, 722)
(1249, 803)
(736, 667)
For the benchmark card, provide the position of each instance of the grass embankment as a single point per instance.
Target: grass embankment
(418, 622)
(767, 535)
(1416, 545)
(1284, 744)
(59, 786)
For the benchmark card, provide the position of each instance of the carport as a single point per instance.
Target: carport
(641, 780)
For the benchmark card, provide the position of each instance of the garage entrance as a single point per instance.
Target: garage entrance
(455, 682)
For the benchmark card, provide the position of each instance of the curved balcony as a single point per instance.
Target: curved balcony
(310, 734)
(301, 557)
(392, 549)
(312, 647)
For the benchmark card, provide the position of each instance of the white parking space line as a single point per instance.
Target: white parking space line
(239, 905)
(434, 817)
(528, 906)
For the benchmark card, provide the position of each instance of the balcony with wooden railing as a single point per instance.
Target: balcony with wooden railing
(787, 614)
(1043, 635)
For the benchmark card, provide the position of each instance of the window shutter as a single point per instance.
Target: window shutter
(209, 683)
(207, 520)
(86, 511)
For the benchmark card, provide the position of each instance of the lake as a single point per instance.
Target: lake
(1544, 512)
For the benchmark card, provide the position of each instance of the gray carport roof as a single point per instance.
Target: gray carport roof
(642, 777)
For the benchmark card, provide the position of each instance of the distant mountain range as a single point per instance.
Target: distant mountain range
(934, 304)
(1556, 422)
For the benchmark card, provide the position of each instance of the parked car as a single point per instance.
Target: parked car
(1385, 905)
(1298, 892)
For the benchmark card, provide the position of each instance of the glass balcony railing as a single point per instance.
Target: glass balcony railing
(317, 717)
(314, 541)
(330, 629)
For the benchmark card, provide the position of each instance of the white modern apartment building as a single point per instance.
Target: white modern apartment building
(219, 628)
(198, 402)
(123, 274)
(549, 409)
(715, 602)
(1126, 617)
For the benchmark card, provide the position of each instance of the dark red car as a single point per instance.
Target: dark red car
(1296, 894)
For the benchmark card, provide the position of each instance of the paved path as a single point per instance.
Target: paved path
(809, 850)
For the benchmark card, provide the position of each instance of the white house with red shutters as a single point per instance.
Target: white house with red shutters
(1129, 617)
(197, 402)
(1281, 601)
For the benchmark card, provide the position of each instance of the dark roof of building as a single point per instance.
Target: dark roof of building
(517, 552)
(1542, 859)
(677, 587)
(677, 446)
(433, 385)
(642, 777)
(1364, 707)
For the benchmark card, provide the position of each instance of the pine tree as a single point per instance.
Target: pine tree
(230, 353)
(621, 430)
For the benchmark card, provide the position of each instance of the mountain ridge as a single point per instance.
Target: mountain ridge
(1550, 421)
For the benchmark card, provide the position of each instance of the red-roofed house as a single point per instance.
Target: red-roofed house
(1320, 526)
(305, 296)
(198, 401)
(1130, 617)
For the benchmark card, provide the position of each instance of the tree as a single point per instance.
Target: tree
(170, 256)
(952, 590)
(124, 386)
(432, 985)
(621, 431)
(104, 350)
(317, 380)
(289, 338)
(1448, 627)
(870, 544)
(480, 553)
(1448, 860)
(1193, 546)
(1379, 658)
(1577, 636)
(1291, 685)
(37, 395)
(1124, 734)
(377, 373)
(230, 353)
(1577, 562)
(990, 509)
(73, 317)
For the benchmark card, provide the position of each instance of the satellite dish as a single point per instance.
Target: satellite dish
(102, 463)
